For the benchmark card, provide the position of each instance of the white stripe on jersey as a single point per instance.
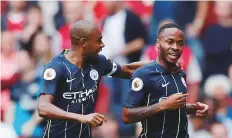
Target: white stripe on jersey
(179, 109)
(66, 123)
(81, 123)
(164, 111)
(148, 101)
(49, 126)
(46, 129)
(114, 69)
(70, 74)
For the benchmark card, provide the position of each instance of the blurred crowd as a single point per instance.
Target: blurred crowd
(33, 32)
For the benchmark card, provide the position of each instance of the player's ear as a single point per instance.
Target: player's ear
(158, 43)
(83, 42)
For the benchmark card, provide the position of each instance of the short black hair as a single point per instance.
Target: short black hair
(169, 25)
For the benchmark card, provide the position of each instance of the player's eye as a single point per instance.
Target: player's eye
(170, 41)
(180, 43)
(99, 41)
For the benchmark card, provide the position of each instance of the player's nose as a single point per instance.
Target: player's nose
(102, 45)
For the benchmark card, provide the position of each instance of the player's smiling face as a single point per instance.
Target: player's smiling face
(95, 43)
(171, 44)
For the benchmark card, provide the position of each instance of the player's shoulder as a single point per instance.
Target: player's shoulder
(99, 60)
(55, 63)
(182, 73)
(145, 70)
(101, 57)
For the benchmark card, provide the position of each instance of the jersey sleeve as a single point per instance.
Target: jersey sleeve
(51, 78)
(108, 67)
(137, 93)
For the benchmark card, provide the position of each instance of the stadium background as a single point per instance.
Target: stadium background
(33, 32)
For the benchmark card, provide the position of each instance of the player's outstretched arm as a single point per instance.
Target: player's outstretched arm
(47, 110)
(173, 102)
(128, 69)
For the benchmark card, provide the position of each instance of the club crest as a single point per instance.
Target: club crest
(94, 74)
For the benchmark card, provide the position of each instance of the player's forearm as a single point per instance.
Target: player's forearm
(191, 108)
(128, 69)
(132, 115)
(48, 110)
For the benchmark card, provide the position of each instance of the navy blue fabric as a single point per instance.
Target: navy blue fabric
(158, 84)
(73, 93)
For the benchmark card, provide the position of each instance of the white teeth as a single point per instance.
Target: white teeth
(173, 56)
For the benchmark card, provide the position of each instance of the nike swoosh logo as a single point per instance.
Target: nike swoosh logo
(70, 80)
(164, 85)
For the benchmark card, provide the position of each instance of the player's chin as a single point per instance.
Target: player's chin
(172, 60)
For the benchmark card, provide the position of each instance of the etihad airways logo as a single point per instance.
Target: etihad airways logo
(79, 96)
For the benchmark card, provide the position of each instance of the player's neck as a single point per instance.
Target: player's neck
(76, 58)
(165, 64)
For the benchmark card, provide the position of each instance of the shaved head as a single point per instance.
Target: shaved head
(86, 38)
(82, 29)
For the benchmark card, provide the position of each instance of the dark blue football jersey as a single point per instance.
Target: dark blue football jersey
(149, 85)
(74, 90)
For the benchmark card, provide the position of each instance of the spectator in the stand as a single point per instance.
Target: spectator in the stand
(72, 12)
(108, 130)
(217, 39)
(24, 97)
(14, 19)
(162, 10)
(41, 51)
(191, 20)
(142, 8)
(189, 65)
(219, 87)
(34, 24)
(7, 131)
(40, 55)
(218, 130)
(196, 128)
(9, 70)
(124, 36)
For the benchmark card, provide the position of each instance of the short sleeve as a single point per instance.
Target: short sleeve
(137, 93)
(51, 78)
(108, 67)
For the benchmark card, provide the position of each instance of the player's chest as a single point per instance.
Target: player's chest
(166, 85)
(87, 78)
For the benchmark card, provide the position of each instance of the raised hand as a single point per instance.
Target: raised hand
(94, 119)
